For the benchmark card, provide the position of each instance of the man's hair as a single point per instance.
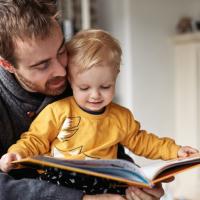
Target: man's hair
(93, 47)
(23, 19)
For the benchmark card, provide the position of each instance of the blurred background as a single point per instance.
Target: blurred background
(160, 73)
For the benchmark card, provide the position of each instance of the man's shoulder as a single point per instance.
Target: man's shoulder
(2, 103)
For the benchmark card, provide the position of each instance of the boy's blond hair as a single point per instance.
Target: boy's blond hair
(93, 47)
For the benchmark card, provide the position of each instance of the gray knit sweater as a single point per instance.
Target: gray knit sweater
(15, 104)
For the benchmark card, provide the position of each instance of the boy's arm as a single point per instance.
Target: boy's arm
(147, 144)
(43, 130)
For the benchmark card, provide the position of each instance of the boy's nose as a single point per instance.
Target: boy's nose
(95, 94)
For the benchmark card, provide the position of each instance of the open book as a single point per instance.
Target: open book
(121, 171)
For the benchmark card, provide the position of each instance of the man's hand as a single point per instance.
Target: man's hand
(103, 197)
(134, 193)
(6, 161)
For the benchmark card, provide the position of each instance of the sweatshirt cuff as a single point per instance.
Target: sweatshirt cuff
(174, 151)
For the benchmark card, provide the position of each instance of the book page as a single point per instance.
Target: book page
(89, 164)
(153, 170)
(114, 167)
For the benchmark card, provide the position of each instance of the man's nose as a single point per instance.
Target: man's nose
(59, 69)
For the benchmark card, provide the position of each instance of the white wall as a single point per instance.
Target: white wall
(145, 29)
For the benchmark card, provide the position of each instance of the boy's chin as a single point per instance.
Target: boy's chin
(94, 110)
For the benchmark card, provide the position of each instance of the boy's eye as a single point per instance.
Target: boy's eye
(84, 88)
(106, 87)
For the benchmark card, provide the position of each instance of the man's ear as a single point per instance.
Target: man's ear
(7, 66)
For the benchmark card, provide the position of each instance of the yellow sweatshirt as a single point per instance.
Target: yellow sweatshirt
(63, 129)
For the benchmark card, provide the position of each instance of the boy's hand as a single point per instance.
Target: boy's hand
(186, 151)
(6, 159)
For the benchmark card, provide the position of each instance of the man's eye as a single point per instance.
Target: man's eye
(42, 66)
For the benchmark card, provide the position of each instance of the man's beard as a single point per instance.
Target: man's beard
(46, 90)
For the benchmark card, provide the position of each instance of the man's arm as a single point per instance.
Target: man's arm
(39, 190)
(35, 190)
(132, 193)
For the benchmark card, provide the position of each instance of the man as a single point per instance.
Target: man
(33, 64)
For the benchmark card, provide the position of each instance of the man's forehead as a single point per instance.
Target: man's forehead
(27, 50)
(30, 53)
(39, 42)
(26, 43)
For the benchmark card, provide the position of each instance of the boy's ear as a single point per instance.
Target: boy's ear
(6, 65)
(117, 72)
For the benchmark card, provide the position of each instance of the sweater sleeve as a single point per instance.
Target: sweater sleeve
(34, 190)
(38, 138)
(147, 144)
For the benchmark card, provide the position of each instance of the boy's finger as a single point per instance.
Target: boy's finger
(189, 149)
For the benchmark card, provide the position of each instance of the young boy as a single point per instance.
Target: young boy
(89, 125)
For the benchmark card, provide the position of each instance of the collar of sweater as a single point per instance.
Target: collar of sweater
(13, 92)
